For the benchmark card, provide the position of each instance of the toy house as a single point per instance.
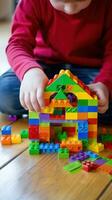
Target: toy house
(69, 117)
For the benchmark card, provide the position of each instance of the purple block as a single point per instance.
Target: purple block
(12, 118)
(100, 161)
(44, 116)
(81, 156)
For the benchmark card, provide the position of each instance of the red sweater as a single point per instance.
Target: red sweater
(42, 33)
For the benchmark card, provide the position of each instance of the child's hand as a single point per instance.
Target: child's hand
(102, 92)
(32, 88)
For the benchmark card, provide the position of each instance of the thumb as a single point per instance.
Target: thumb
(40, 97)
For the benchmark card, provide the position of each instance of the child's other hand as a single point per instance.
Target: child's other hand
(102, 92)
(32, 89)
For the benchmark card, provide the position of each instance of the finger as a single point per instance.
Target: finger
(28, 102)
(21, 98)
(40, 97)
(102, 109)
(34, 101)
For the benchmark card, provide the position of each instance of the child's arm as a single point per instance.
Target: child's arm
(103, 83)
(25, 25)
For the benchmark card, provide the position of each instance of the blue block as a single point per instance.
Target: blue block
(33, 121)
(6, 130)
(82, 135)
(82, 127)
(92, 109)
(82, 108)
(92, 154)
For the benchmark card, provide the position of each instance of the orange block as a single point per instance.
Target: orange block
(92, 134)
(44, 129)
(105, 168)
(6, 140)
(74, 146)
(44, 137)
(82, 116)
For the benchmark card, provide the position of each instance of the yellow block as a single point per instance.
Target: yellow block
(83, 95)
(71, 116)
(16, 138)
(92, 114)
(96, 147)
(48, 110)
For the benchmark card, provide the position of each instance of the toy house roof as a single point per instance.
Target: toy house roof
(64, 78)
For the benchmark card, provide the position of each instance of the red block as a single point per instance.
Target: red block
(34, 132)
(89, 166)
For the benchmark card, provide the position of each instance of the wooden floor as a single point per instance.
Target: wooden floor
(25, 177)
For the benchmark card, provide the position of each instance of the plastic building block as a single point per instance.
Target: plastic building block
(62, 136)
(100, 161)
(24, 133)
(49, 148)
(92, 154)
(63, 153)
(96, 147)
(69, 116)
(33, 115)
(6, 140)
(110, 156)
(89, 166)
(81, 156)
(33, 132)
(6, 130)
(16, 138)
(73, 146)
(73, 166)
(34, 148)
(108, 145)
(106, 138)
(105, 168)
(33, 121)
(109, 162)
(12, 118)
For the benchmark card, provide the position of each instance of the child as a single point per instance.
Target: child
(48, 35)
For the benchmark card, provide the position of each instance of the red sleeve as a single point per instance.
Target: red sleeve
(105, 75)
(21, 44)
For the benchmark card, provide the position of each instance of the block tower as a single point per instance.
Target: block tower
(69, 118)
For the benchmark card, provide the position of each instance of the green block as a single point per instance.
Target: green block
(34, 151)
(62, 136)
(106, 138)
(72, 166)
(92, 141)
(58, 111)
(77, 88)
(24, 133)
(44, 124)
(109, 162)
(71, 109)
(92, 102)
(82, 102)
(34, 148)
(76, 170)
(63, 80)
(60, 95)
(85, 144)
(63, 153)
(33, 115)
